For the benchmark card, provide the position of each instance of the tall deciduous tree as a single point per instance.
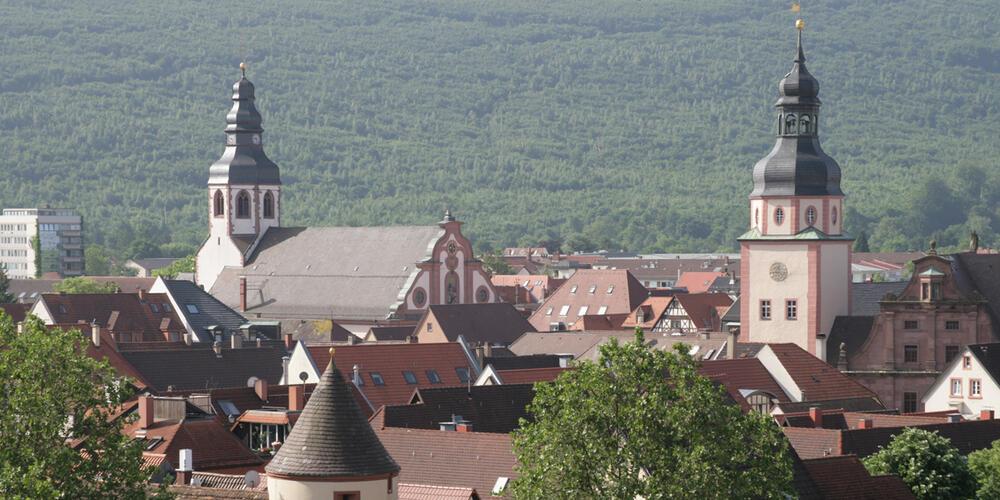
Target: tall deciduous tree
(5, 296)
(985, 466)
(182, 265)
(495, 264)
(927, 462)
(641, 422)
(51, 394)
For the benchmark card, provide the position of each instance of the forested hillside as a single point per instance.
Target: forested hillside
(592, 123)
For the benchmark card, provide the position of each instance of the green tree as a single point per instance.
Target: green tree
(97, 261)
(495, 264)
(5, 296)
(642, 422)
(927, 462)
(182, 265)
(36, 246)
(82, 284)
(861, 243)
(985, 466)
(42, 407)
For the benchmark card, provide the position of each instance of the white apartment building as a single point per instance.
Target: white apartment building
(59, 233)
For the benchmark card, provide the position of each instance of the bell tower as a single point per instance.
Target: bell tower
(244, 189)
(795, 265)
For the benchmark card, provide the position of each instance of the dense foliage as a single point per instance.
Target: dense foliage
(182, 265)
(81, 284)
(5, 296)
(642, 423)
(928, 463)
(591, 123)
(985, 465)
(50, 391)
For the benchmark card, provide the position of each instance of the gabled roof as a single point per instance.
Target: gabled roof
(652, 311)
(390, 361)
(980, 272)
(522, 362)
(989, 356)
(586, 344)
(389, 333)
(845, 477)
(461, 459)
(29, 290)
(626, 293)
(427, 492)
(198, 368)
(17, 312)
(852, 331)
(704, 308)
(489, 408)
(200, 309)
(530, 375)
(967, 436)
(332, 439)
(213, 446)
(698, 281)
(153, 263)
(738, 375)
(497, 323)
(108, 352)
(119, 312)
(328, 272)
(817, 380)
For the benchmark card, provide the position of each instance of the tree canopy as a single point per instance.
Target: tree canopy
(5, 296)
(183, 265)
(599, 123)
(81, 284)
(927, 462)
(51, 394)
(641, 422)
(985, 466)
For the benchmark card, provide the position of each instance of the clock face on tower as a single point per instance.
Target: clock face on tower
(778, 271)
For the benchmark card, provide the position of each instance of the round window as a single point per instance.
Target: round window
(811, 216)
(779, 216)
(419, 297)
(482, 295)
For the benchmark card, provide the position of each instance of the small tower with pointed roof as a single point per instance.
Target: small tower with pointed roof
(244, 189)
(332, 452)
(795, 265)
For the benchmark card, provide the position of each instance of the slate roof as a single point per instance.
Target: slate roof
(210, 310)
(732, 314)
(530, 375)
(846, 478)
(108, 352)
(17, 312)
(198, 368)
(866, 296)
(522, 362)
(852, 331)
(332, 438)
(626, 294)
(981, 272)
(489, 408)
(328, 272)
(461, 459)
(389, 333)
(967, 436)
(497, 323)
(390, 361)
(989, 356)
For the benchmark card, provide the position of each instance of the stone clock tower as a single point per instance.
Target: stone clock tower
(795, 259)
(244, 190)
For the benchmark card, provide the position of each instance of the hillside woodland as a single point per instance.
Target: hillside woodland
(579, 124)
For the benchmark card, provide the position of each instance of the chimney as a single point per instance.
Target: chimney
(187, 339)
(235, 341)
(296, 397)
(243, 293)
(488, 350)
(865, 423)
(142, 294)
(821, 346)
(217, 347)
(357, 376)
(816, 415)
(954, 418)
(259, 343)
(146, 413)
(842, 358)
(734, 334)
(288, 342)
(184, 468)
(284, 369)
(95, 334)
(260, 387)
(463, 427)
(986, 415)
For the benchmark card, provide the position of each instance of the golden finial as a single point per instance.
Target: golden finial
(332, 350)
(243, 68)
(800, 24)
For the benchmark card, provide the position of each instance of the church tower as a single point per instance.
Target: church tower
(795, 259)
(244, 189)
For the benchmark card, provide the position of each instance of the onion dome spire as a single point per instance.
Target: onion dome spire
(797, 164)
(332, 439)
(244, 160)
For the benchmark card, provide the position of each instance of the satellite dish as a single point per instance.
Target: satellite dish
(251, 479)
(303, 376)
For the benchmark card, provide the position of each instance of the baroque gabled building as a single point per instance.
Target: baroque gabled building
(795, 259)
(356, 276)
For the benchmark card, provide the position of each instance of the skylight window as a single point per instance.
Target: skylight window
(548, 312)
(583, 310)
(167, 308)
(525, 284)
(433, 376)
(409, 377)
(191, 308)
(573, 289)
(593, 289)
(602, 310)
(463, 374)
(228, 408)
(564, 310)
(377, 378)
(500, 485)
(154, 307)
(611, 289)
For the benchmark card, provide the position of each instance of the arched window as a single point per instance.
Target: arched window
(811, 216)
(790, 123)
(268, 205)
(804, 122)
(218, 204)
(451, 288)
(243, 205)
(779, 216)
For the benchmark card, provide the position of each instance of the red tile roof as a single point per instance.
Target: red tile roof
(814, 443)
(845, 478)
(967, 436)
(108, 352)
(697, 281)
(652, 310)
(462, 459)
(817, 380)
(390, 361)
(744, 373)
(530, 375)
(626, 294)
(17, 312)
(426, 492)
(536, 287)
(121, 313)
(212, 446)
(495, 323)
(705, 309)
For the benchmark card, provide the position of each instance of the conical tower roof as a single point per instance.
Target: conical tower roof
(332, 439)
(244, 161)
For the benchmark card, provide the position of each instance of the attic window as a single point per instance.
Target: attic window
(463, 374)
(409, 377)
(564, 310)
(500, 485)
(538, 283)
(191, 308)
(433, 377)
(593, 288)
(62, 309)
(573, 290)
(525, 284)
(377, 378)
(583, 311)
(228, 408)
(602, 310)
(167, 308)
(548, 312)
(611, 289)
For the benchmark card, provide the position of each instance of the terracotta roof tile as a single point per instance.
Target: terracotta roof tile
(489, 408)
(496, 323)
(227, 481)
(212, 445)
(817, 380)
(697, 281)
(121, 313)
(742, 374)
(426, 492)
(462, 459)
(845, 478)
(17, 312)
(390, 361)
(813, 443)
(530, 375)
(626, 294)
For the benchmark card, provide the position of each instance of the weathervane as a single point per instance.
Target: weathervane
(799, 23)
